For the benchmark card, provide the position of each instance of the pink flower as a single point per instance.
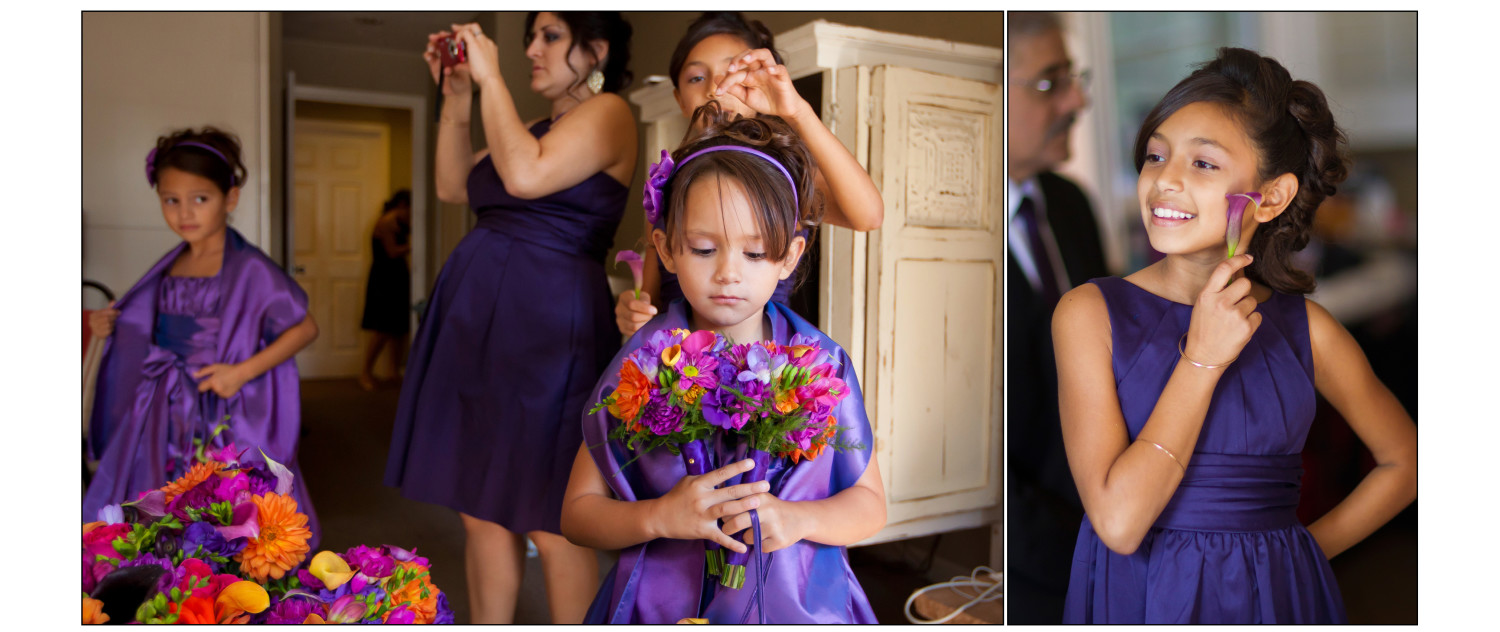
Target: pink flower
(632, 259)
(100, 541)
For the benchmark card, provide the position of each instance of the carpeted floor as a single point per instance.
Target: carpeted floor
(343, 457)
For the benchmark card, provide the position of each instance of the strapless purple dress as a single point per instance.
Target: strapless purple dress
(1228, 548)
(519, 326)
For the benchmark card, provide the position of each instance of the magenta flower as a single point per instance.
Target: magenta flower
(656, 185)
(403, 555)
(661, 418)
(402, 615)
(293, 610)
(632, 259)
(1237, 204)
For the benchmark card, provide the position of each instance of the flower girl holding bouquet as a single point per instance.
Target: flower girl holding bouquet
(732, 201)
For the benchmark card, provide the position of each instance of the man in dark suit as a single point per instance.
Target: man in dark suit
(1053, 246)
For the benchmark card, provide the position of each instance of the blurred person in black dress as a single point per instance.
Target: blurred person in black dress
(388, 292)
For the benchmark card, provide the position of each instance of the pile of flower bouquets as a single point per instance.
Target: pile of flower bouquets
(224, 543)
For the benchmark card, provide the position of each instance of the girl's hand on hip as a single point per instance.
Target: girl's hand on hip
(102, 321)
(457, 76)
(632, 313)
(484, 58)
(1224, 317)
(761, 84)
(781, 525)
(223, 379)
(692, 509)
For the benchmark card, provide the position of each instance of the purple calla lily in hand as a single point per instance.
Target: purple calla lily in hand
(632, 259)
(1237, 204)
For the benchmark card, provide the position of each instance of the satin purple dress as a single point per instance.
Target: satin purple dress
(663, 580)
(1228, 547)
(147, 408)
(519, 326)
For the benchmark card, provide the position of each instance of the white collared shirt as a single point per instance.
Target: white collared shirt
(1020, 246)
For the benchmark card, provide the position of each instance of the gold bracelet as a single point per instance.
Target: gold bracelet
(449, 121)
(1168, 453)
(1181, 350)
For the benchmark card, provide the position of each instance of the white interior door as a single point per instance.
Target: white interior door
(935, 152)
(341, 177)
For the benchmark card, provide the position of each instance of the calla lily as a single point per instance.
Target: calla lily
(330, 569)
(151, 505)
(632, 259)
(283, 475)
(346, 609)
(239, 598)
(244, 524)
(1237, 204)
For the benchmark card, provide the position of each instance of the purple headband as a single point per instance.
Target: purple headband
(151, 161)
(661, 171)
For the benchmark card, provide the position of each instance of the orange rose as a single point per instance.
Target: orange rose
(93, 611)
(632, 393)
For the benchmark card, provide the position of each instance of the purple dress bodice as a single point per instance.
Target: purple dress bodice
(579, 220)
(1228, 548)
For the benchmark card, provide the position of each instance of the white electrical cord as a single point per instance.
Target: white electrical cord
(992, 590)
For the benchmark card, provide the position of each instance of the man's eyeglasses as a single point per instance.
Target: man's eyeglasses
(1057, 85)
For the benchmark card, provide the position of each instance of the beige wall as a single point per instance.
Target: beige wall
(144, 75)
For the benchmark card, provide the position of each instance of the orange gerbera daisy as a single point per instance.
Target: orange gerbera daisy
(282, 542)
(93, 611)
(632, 393)
(420, 595)
(199, 473)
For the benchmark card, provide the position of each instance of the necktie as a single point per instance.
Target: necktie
(1039, 252)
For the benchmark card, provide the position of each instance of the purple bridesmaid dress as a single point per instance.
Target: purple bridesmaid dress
(662, 581)
(1228, 547)
(519, 326)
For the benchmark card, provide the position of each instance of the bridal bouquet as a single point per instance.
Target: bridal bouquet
(779, 401)
(680, 389)
(660, 401)
(224, 543)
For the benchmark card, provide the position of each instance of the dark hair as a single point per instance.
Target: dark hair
(225, 172)
(778, 218)
(711, 23)
(398, 199)
(590, 26)
(1293, 131)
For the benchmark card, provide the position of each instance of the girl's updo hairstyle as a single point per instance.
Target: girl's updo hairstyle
(751, 32)
(778, 218)
(1293, 132)
(590, 26)
(225, 173)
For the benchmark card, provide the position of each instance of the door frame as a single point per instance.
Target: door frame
(417, 106)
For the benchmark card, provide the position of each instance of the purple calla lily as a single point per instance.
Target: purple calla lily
(1237, 204)
(283, 475)
(632, 259)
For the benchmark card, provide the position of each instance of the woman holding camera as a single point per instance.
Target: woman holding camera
(519, 325)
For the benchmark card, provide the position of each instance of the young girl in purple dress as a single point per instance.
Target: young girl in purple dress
(732, 208)
(208, 334)
(1187, 388)
(725, 58)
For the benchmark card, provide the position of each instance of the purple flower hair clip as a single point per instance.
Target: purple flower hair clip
(656, 185)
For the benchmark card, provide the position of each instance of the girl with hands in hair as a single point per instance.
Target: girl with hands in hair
(731, 60)
(478, 429)
(1187, 388)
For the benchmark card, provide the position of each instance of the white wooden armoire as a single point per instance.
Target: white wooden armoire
(917, 303)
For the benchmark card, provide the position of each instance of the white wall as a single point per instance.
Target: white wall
(145, 74)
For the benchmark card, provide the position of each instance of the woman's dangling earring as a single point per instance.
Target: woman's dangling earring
(596, 81)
